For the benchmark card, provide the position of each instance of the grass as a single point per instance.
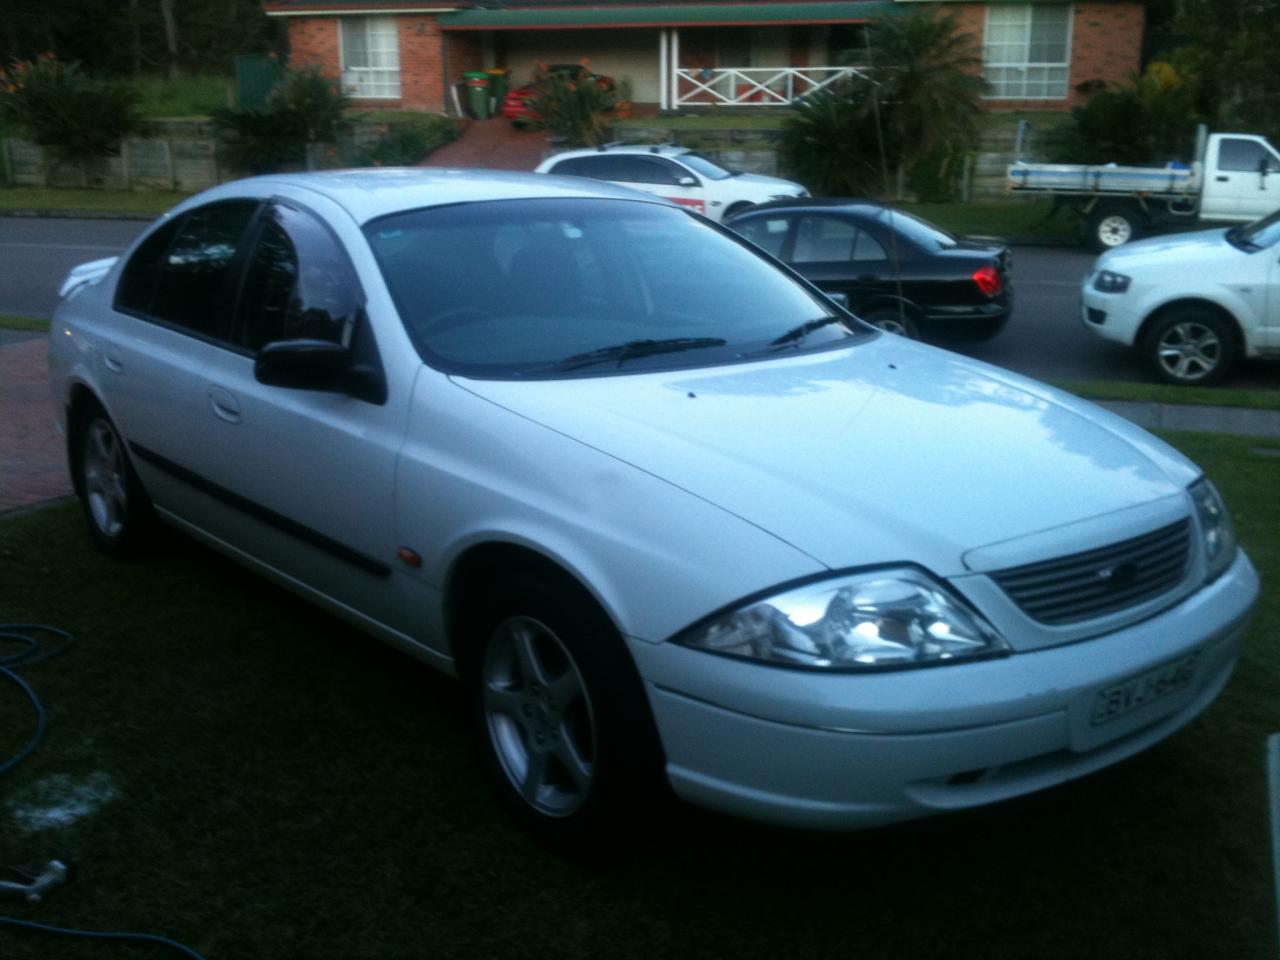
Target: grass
(1159, 393)
(148, 203)
(182, 98)
(9, 322)
(287, 787)
(1000, 218)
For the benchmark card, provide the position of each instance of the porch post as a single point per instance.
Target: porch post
(674, 78)
(663, 72)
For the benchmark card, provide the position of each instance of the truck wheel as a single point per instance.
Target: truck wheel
(1189, 345)
(1111, 225)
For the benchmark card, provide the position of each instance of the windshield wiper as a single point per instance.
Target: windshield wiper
(794, 335)
(620, 353)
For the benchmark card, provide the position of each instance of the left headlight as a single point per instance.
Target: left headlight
(895, 617)
(1218, 535)
(1108, 282)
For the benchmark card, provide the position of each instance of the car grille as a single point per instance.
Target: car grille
(1098, 582)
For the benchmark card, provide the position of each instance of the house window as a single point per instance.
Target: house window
(1027, 52)
(371, 57)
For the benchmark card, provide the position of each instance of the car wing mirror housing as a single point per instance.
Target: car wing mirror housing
(841, 300)
(687, 181)
(318, 365)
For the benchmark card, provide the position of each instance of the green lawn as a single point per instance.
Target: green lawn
(1004, 219)
(8, 322)
(1162, 393)
(139, 202)
(184, 97)
(286, 787)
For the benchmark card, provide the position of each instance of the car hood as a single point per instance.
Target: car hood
(886, 451)
(1197, 247)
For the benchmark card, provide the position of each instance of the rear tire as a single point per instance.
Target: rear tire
(900, 322)
(560, 713)
(1112, 225)
(1189, 346)
(116, 508)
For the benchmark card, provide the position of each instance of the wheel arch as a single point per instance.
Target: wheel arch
(80, 400)
(1199, 303)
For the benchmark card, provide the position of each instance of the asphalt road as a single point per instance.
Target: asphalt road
(1044, 339)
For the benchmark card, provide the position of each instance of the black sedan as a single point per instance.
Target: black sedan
(899, 272)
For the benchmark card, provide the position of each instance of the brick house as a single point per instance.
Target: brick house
(1037, 55)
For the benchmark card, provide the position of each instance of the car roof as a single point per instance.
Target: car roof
(660, 149)
(371, 193)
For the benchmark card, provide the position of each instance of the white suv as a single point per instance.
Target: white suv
(1190, 305)
(676, 173)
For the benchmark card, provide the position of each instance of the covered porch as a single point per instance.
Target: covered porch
(684, 56)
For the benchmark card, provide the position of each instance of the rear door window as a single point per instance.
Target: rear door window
(767, 233)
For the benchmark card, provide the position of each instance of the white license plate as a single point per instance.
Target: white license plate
(1128, 695)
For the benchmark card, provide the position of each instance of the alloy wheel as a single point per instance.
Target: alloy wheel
(1189, 351)
(105, 478)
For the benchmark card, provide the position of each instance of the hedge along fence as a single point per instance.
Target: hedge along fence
(179, 155)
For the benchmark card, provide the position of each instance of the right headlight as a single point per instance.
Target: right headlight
(893, 617)
(1107, 281)
(1218, 537)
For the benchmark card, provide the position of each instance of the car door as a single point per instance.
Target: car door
(1246, 181)
(665, 179)
(303, 479)
(171, 314)
(840, 257)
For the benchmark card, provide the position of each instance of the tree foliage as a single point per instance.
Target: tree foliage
(573, 104)
(1152, 119)
(921, 105)
(74, 116)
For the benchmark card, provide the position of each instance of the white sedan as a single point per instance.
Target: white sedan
(1190, 304)
(669, 514)
(678, 174)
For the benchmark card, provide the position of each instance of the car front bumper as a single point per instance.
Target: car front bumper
(848, 750)
(1109, 315)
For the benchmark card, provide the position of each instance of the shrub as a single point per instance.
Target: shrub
(305, 108)
(1152, 119)
(408, 140)
(832, 144)
(75, 117)
(574, 105)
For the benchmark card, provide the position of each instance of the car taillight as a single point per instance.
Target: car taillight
(988, 280)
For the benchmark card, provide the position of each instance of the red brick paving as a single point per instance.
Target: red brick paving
(493, 144)
(33, 461)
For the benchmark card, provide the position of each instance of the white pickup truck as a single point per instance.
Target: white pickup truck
(1235, 178)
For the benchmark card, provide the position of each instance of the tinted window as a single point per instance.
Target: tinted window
(142, 272)
(599, 168)
(1244, 155)
(648, 170)
(575, 167)
(299, 284)
(824, 240)
(767, 233)
(708, 168)
(867, 249)
(512, 288)
(192, 275)
(920, 232)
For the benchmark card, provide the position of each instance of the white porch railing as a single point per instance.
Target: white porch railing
(755, 86)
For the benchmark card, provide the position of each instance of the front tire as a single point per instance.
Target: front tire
(560, 713)
(1190, 346)
(116, 507)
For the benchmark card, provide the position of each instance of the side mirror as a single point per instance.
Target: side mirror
(687, 181)
(302, 365)
(841, 300)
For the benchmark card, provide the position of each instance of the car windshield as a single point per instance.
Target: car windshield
(1257, 235)
(708, 168)
(587, 287)
(921, 232)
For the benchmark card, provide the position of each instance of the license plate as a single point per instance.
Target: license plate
(1145, 688)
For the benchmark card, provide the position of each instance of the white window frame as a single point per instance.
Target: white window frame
(365, 82)
(1033, 72)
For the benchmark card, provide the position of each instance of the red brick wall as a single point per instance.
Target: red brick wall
(1106, 45)
(315, 40)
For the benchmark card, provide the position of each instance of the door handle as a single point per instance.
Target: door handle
(1222, 179)
(225, 405)
(112, 362)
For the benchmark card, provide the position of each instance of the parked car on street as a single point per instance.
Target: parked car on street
(1235, 177)
(898, 272)
(679, 174)
(1191, 304)
(669, 513)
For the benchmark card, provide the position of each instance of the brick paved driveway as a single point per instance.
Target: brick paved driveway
(33, 463)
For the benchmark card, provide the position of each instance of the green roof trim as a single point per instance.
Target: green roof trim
(669, 15)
